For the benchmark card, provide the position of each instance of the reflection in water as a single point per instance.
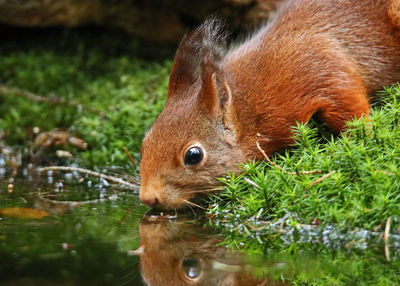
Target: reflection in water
(174, 252)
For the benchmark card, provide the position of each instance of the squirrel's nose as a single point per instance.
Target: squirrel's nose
(149, 200)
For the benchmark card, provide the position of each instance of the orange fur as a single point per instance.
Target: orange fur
(314, 57)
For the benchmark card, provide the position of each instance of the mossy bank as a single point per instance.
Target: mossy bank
(331, 200)
(110, 95)
(352, 180)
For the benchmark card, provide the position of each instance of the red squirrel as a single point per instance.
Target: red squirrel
(323, 57)
(177, 253)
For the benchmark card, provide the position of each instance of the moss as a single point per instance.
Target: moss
(363, 187)
(339, 220)
(119, 93)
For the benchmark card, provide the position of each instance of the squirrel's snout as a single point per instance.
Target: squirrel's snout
(151, 202)
(149, 199)
(150, 194)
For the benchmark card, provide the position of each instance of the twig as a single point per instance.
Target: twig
(91, 173)
(29, 95)
(254, 227)
(282, 225)
(280, 168)
(347, 245)
(50, 100)
(322, 178)
(216, 197)
(386, 239)
(129, 156)
(251, 182)
(377, 227)
(73, 203)
(385, 172)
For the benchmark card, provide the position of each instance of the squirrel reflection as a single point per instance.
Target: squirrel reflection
(177, 253)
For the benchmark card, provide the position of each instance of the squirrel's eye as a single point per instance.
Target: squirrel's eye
(191, 268)
(193, 156)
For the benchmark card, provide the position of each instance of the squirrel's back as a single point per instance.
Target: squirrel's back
(310, 53)
(361, 29)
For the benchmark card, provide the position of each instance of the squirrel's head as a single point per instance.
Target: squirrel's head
(194, 140)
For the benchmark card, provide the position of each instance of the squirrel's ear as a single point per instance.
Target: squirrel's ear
(199, 50)
(183, 72)
(215, 97)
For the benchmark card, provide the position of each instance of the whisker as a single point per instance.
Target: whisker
(205, 190)
(191, 208)
(193, 204)
(218, 198)
(126, 175)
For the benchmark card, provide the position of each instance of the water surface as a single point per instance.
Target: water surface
(71, 229)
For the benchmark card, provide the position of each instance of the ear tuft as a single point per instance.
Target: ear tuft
(212, 47)
(199, 53)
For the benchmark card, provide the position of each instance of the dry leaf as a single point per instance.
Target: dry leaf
(24, 213)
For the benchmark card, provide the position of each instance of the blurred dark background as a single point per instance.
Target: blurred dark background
(154, 21)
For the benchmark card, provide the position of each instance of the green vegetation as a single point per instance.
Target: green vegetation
(97, 86)
(338, 221)
(363, 187)
(108, 96)
(120, 94)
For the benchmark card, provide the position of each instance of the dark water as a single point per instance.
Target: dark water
(60, 233)
(69, 229)
(73, 244)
